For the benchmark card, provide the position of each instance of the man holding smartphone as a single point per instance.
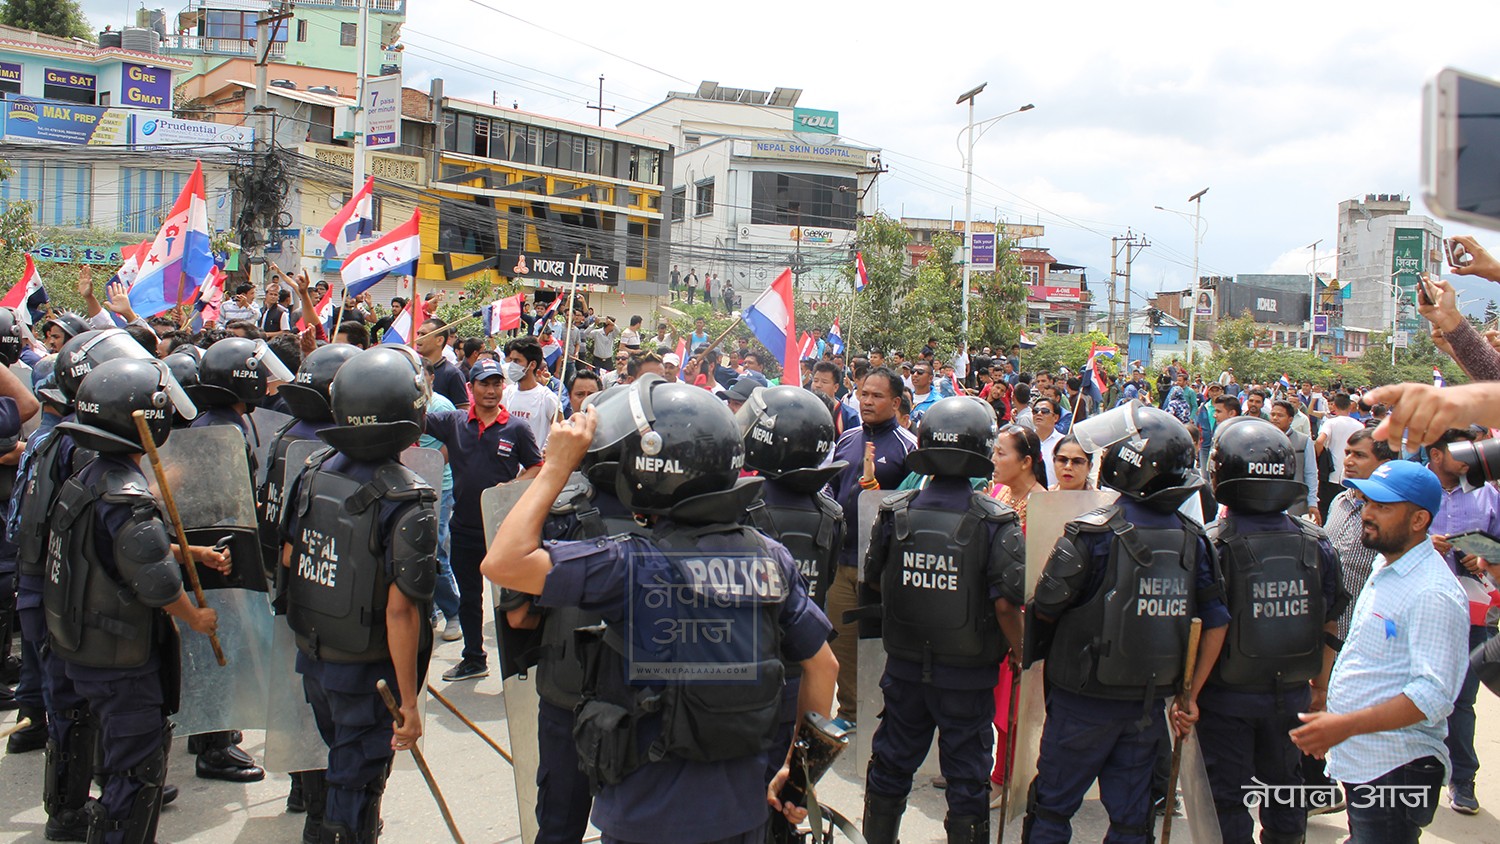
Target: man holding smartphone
(1465, 508)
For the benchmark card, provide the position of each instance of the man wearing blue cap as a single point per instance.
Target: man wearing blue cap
(1396, 678)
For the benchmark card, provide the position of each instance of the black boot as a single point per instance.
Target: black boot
(33, 737)
(220, 759)
(296, 799)
(882, 820)
(315, 795)
(967, 829)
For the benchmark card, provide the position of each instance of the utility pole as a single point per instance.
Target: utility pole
(1312, 299)
(1133, 248)
(261, 113)
(361, 114)
(600, 106)
(1197, 200)
(1114, 258)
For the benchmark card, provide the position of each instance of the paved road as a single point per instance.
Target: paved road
(480, 789)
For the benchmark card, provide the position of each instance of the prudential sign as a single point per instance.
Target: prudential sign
(815, 122)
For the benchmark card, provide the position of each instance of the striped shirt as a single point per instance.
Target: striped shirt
(1355, 560)
(1409, 636)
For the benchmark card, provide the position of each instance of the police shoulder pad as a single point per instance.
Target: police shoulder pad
(1096, 520)
(403, 484)
(1311, 531)
(992, 509)
(897, 499)
(827, 506)
(119, 486)
(577, 491)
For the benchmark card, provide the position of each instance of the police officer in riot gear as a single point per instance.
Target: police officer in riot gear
(586, 509)
(789, 436)
(110, 572)
(232, 378)
(308, 400)
(1284, 591)
(1115, 601)
(947, 566)
(361, 538)
(672, 737)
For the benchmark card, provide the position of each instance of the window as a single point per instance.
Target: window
(466, 227)
(703, 198)
(679, 205)
(549, 148)
(348, 32)
(301, 30)
(146, 196)
(61, 194)
(499, 139)
(104, 99)
(1033, 274)
(635, 245)
(481, 136)
(239, 26)
(566, 160)
(645, 166)
(800, 199)
(691, 141)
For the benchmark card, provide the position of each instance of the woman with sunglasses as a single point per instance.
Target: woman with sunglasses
(1072, 465)
(1017, 458)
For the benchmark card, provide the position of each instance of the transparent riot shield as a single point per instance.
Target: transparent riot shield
(24, 374)
(209, 476)
(1047, 513)
(427, 462)
(1197, 798)
(263, 427)
(518, 684)
(870, 650)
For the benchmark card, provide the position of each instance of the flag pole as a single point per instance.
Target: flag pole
(411, 309)
(562, 383)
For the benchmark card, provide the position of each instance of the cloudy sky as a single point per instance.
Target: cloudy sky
(1281, 109)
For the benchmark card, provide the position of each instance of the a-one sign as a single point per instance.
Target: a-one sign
(1050, 293)
(383, 112)
(146, 87)
(801, 151)
(982, 251)
(69, 79)
(815, 121)
(555, 269)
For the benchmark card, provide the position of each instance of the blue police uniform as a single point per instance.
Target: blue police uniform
(725, 799)
(1245, 734)
(563, 797)
(351, 717)
(1088, 738)
(957, 702)
(129, 704)
(481, 456)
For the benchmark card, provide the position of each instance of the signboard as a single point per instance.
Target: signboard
(146, 87)
(800, 151)
(10, 72)
(1401, 339)
(69, 79)
(1205, 303)
(383, 112)
(29, 120)
(982, 251)
(1407, 262)
(1320, 324)
(1265, 304)
(811, 237)
(1048, 293)
(555, 269)
(815, 121)
(64, 253)
(151, 130)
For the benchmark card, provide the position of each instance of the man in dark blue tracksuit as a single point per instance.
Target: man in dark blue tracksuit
(1284, 589)
(879, 400)
(948, 566)
(1115, 600)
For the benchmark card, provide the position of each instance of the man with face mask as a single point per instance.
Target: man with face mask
(527, 399)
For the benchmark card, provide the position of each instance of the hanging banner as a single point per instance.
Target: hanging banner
(383, 116)
(1407, 248)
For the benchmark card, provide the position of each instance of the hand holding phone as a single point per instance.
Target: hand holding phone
(1458, 254)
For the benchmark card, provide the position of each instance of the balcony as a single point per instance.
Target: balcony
(388, 6)
(201, 45)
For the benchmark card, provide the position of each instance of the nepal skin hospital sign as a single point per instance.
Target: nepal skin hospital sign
(146, 87)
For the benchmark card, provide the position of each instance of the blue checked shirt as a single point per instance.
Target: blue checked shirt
(1409, 636)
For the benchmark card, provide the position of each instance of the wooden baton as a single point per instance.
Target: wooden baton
(1189, 664)
(448, 704)
(416, 753)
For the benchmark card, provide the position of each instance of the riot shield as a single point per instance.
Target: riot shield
(27, 378)
(427, 462)
(207, 471)
(1197, 799)
(517, 683)
(870, 650)
(263, 427)
(1047, 513)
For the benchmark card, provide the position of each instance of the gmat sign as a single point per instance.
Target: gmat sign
(815, 121)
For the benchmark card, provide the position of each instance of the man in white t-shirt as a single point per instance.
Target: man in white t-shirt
(1334, 436)
(525, 397)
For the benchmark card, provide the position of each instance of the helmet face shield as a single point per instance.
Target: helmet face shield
(275, 369)
(1097, 433)
(180, 401)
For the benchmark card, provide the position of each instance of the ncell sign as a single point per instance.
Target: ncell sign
(815, 121)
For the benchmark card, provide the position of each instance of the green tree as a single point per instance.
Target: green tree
(1071, 350)
(60, 18)
(1491, 312)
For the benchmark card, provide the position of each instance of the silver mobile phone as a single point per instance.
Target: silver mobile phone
(1461, 148)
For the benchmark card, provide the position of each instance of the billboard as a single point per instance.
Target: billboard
(815, 121)
(383, 112)
(1264, 304)
(63, 123)
(1205, 304)
(1320, 323)
(164, 131)
(982, 251)
(146, 87)
(1407, 262)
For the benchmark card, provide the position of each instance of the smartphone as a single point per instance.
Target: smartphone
(1458, 256)
(1461, 148)
(1424, 293)
(1478, 543)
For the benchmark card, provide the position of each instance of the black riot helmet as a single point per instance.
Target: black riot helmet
(688, 456)
(11, 339)
(307, 397)
(1155, 464)
(789, 435)
(955, 439)
(71, 325)
(80, 355)
(613, 426)
(237, 370)
(379, 400)
(1253, 468)
(111, 393)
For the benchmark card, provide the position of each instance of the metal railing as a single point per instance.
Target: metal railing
(219, 46)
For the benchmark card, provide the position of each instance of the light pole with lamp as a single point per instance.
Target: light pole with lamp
(968, 96)
(1197, 200)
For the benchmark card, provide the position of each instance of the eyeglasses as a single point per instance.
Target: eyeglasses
(1070, 461)
(1043, 411)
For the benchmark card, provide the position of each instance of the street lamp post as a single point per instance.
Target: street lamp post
(1197, 200)
(968, 248)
